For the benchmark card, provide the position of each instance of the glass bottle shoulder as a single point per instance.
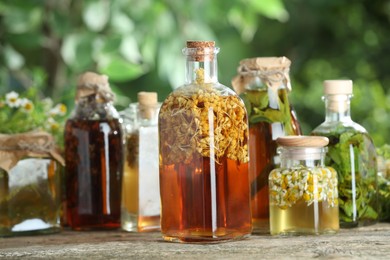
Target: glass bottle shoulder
(329, 128)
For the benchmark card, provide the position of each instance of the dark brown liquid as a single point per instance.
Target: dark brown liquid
(195, 208)
(94, 163)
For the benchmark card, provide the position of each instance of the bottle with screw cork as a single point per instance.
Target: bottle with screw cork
(141, 190)
(203, 135)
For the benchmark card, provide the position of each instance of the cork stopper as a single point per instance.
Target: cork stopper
(302, 141)
(147, 104)
(200, 50)
(334, 87)
(200, 44)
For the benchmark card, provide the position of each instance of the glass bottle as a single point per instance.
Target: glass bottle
(203, 135)
(264, 85)
(303, 192)
(141, 190)
(352, 154)
(93, 155)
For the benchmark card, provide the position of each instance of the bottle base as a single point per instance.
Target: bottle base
(46, 231)
(260, 226)
(291, 233)
(196, 237)
(135, 223)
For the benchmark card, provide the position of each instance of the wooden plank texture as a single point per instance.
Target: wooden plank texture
(371, 242)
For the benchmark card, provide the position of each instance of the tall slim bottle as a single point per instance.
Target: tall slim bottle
(203, 135)
(264, 85)
(352, 154)
(94, 157)
(141, 190)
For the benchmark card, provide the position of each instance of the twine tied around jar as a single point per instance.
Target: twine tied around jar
(14, 147)
(91, 83)
(273, 72)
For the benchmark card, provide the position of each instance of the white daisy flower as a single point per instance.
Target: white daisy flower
(26, 105)
(59, 109)
(12, 99)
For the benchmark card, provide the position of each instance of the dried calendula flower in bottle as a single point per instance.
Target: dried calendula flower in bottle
(203, 133)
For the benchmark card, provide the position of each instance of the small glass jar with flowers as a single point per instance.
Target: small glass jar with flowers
(30, 164)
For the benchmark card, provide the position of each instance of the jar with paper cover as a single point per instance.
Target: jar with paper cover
(94, 157)
(264, 85)
(30, 184)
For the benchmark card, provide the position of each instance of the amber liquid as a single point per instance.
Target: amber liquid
(300, 219)
(262, 152)
(94, 164)
(205, 202)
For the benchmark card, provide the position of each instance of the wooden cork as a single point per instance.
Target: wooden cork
(200, 44)
(201, 50)
(147, 103)
(302, 141)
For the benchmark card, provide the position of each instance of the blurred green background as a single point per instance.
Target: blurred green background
(137, 43)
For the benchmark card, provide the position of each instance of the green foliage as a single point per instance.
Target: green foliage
(20, 113)
(138, 45)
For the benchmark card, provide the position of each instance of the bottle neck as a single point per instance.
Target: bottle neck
(201, 72)
(201, 65)
(337, 108)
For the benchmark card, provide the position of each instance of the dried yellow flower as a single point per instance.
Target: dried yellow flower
(201, 119)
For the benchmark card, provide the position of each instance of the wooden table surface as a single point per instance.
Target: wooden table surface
(372, 242)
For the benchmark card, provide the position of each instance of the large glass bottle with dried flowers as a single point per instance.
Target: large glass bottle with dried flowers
(203, 135)
(264, 85)
(94, 157)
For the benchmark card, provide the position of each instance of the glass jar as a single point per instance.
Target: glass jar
(303, 192)
(352, 154)
(30, 185)
(141, 190)
(94, 157)
(264, 85)
(203, 135)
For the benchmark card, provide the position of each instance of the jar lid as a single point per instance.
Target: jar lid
(302, 141)
(334, 87)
